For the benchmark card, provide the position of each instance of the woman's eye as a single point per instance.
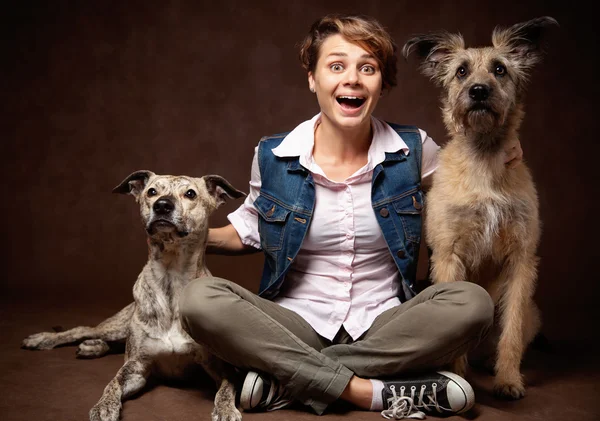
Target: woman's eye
(151, 192)
(500, 70)
(461, 72)
(337, 67)
(190, 194)
(368, 69)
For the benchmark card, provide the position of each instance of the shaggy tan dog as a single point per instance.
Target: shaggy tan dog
(482, 216)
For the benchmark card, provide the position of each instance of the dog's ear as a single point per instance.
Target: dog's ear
(434, 49)
(220, 189)
(524, 40)
(134, 184)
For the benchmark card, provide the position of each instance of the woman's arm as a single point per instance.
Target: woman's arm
(241, 236)
(225, 240)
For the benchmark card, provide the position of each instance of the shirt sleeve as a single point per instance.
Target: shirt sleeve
(429, 159)
(245, 218)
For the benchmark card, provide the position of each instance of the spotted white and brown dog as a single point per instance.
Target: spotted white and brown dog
(175, 211)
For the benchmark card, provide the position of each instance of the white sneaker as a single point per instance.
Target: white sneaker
(261, 393)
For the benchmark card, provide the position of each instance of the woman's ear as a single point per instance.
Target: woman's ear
(311, 82)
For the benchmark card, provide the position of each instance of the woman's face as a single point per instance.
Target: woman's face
(347, 81)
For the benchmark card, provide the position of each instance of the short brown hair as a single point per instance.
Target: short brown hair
(362, 30)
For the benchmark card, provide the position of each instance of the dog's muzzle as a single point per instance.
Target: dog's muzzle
(480, 99)
(163, 210)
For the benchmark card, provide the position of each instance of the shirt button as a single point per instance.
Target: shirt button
(384, 212)
(401, 253)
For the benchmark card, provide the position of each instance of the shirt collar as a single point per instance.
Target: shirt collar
(300, 142)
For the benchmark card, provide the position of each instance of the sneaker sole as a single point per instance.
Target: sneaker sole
(465, 387)
(247, 391)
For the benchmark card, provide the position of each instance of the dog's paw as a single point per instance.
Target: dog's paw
(226, 413)
(92, 348)
(105, 410)
(43, 340)
(509, 390)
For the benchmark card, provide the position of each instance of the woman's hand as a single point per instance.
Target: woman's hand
(513, 154)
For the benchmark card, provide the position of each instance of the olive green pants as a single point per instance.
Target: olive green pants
(423, 334)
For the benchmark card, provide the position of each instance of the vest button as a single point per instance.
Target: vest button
(384, 212)
(416, 204)
(401, 253)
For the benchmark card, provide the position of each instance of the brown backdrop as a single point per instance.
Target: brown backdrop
(92, 91)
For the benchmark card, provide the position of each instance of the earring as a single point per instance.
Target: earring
(312, 89)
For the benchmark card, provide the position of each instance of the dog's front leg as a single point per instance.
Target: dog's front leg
(225, 409)
(223, 374)
(446, 266)
(130, 378)
(518, 277)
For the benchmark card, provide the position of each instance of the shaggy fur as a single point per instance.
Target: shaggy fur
(175, 213)
(482, 216)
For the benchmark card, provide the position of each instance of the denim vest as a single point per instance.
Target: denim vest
(287, 199)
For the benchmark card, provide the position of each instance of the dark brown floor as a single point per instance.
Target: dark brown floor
(54, 385)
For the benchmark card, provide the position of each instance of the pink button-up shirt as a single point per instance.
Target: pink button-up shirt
(344, 274)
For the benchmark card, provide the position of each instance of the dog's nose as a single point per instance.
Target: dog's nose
(479, 92)
(163, 206)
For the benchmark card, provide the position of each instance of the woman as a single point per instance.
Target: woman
(336, 207)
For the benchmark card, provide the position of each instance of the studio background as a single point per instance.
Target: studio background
(92, 91)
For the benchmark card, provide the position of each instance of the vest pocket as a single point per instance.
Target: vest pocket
(271, 223)
(409, 210)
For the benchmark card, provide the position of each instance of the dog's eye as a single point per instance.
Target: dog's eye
(190, 194)
(500, 70)
(151, 192)
(461, 72)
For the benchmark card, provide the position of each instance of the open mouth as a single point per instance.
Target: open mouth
(350, 102)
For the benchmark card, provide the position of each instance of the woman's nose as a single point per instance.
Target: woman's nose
(352, 76)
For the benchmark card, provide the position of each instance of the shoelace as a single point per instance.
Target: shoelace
(432, 398)
(279, 395)
(400, 407)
